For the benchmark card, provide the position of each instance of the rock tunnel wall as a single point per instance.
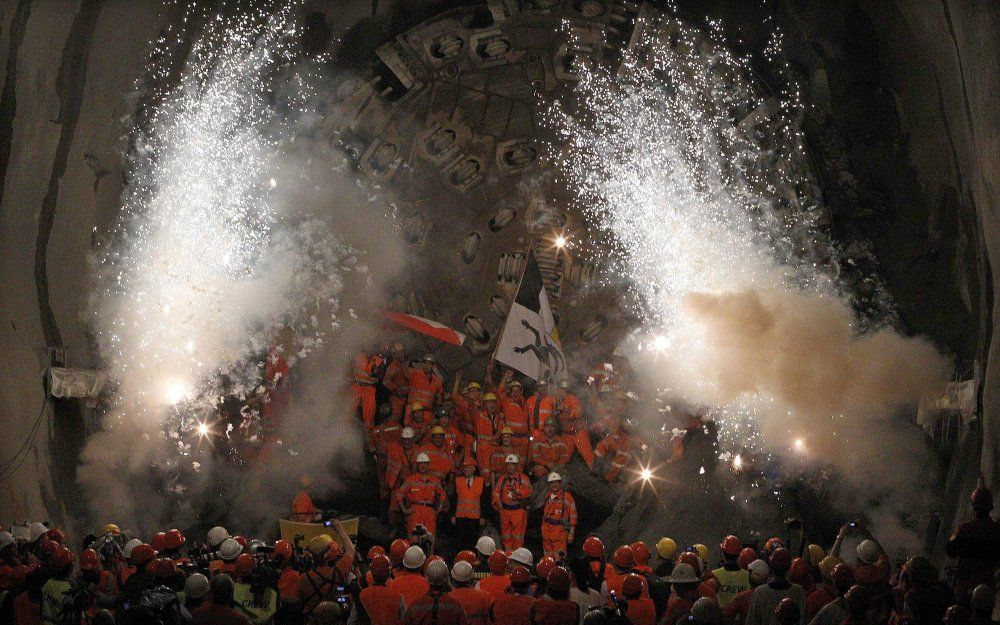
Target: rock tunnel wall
(68, 67)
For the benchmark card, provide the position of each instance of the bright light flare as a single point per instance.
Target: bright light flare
(203, 430)
(561, 241)
(799, 445)
(177, 392)
(660, 343)
(646, 474)
(737, 462)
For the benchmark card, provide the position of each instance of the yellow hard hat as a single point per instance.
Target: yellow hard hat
(507, 431)
(416, 406)
(489, 397)
(111, 528)
(474, 385)
(827, 564)
(816, 554)
(702, 551)
(319, 544)
(437, 429)
(666, 548)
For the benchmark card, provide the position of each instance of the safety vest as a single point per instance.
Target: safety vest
(560, 510)
(442, 462)
(468, 497)
(54, 600)
(731, 583)
(382, 604)
(424, 390)
(549, 453)
(364, 369)
(515, 417)
(259, 609)
(540, 410)
(421, 490)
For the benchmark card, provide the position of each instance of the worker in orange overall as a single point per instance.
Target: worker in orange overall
(481, 442)
(501, 453)
(442, 460)
(401, 463)
(558, 519)
(548, 451)
(468, 404)
(617, 450)
(420, 498)
(416, 418)
(367, 369)
(426, 386)
(512, 406)
(454, 441)
(541, 406)
(510, 499)
(569, 409)
(303, 509)
(397, 380)
(386, 433)
(468, 503)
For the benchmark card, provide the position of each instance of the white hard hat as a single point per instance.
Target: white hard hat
(486, 545)
(437, 573)
(217, 535)
(553, 477)
(414, 557)
(462, 571)
(230, 549)
(522, 556)
(36, 530)
(6, 540)
(422, 457)
(196, 586)
(129, 546)
(512, 459)
(759, 571)
(683, 574)
(868, 551)
(407, 432)
(20, 533)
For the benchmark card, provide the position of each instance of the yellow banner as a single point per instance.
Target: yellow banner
(308, 531)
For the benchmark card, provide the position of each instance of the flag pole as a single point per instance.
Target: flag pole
(493, 356)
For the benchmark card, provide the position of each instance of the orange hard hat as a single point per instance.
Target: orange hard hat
(773, 543)
(593, 547)
(381, 568)
(282, 549)
(641, 552)
(159, 541)
(242, 540)
(497, 561)
(731, 545)
(632, 586)
(60, 558)
(398, 549)
(165, 567)
(48, 547)
(558, 579)
(545, 566)
(142, 554)
(244, 564)
(780, 561)
(174, 539)
(376, 550)
(89, 561)
(691, 559)
(800, 573)
(624, 557)
(55, 534)
(747, 555)
(467, 555)
(520, 575)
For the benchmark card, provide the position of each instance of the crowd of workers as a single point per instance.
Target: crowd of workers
(228, 580)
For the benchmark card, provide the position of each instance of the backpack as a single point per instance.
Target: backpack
(158, 606)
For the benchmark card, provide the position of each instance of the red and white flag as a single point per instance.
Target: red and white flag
(432, 329)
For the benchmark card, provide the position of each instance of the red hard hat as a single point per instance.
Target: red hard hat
(545, 566)
(397, 549)
(376, 550)
(497, 561)
(800, 573)
(165, 567)
(593, 547)
(282, 549)
(773, 543)
(780, 561)
(558, 579)
(56, 535)
(747, 556)
(60, 558)
(242, 540)
(691, 559)
(89, 561)
(467, 555)
(632, 586)
(624, 557)
(174, 539)
(159, 541)
(842, 576)
(142, 554)
(245, 564)
(731, 545)
(641, 552)
(48, 547)
(520, 575)
(381, 568)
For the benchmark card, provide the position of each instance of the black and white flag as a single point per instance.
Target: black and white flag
(530, 342)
